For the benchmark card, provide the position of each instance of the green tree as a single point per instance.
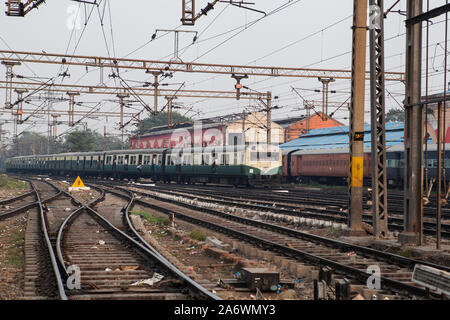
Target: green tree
(395, 115)
(28, 143)
(161, 119)
(89, 140)
(81, 141)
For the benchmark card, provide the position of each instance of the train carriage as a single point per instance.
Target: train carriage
(332, 165)
(255, 164)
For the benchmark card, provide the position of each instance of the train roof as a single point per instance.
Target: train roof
(337, 137)
(133, 151)
(395, 148)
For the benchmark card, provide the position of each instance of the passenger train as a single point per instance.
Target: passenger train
(237, 165)
(331, 166)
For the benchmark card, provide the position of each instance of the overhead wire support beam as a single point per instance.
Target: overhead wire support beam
(136, 91)
(109, 114)
(178, 66)
(378, 120)
(427, 15)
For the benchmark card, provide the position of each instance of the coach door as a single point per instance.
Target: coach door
(114, 162)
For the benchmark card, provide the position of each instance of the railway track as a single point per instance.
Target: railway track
(396, 270)
(326, 213)
(41, 272)
(334, 198)
(113, 261)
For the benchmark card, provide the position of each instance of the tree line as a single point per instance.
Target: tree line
(33, 143)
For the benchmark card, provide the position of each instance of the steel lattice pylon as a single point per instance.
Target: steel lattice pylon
(377, 97)
(188, 14)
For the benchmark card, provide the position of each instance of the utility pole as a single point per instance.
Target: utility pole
(169, 110)
(104, 137)
(308, 107)
(55, 130)
(9, 76)
(357, 117)
(269, 118)
(325, 83)
(20, 93)
(139, 129)
(238, 86)
(121, 97)
(18, 115)
(155, 85)
(1, 139)
(72, 107)
(378, 120)
(440, 139)
(243, 127)
(413, 205)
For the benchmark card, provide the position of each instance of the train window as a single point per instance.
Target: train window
(108, 160)
(241, 157)
(186, 160)
(168, 160)
(435, 163)
(120, 160)
(133, 160)
(146, 160)
(159, 159)
(197, 159)
(205, 159)
(226, 159)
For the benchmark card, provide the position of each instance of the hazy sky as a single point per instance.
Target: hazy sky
(308, 33)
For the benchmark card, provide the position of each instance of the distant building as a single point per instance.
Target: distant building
(253, 129)
(295, 127)
(338, 138)
(432, 116)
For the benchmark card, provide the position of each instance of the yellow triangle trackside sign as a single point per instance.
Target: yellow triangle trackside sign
(78, 183)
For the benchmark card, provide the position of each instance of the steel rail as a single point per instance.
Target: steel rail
(144, 249)
(395, 223)
(24, 195)
(295, 253)
(299, 234)
(131, 199)
(54, 263)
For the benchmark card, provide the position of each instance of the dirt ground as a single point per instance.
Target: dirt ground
(187, 243)
(12, 239)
